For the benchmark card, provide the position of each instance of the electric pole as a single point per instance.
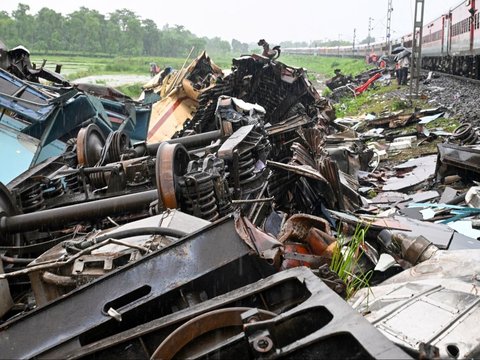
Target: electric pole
(416, 61)
(354, 36)
(389, 23)
(369, 31)
(338, 45)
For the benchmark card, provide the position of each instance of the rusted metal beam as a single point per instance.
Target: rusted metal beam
(59, 217)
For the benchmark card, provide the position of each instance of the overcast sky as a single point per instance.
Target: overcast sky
(275, 21)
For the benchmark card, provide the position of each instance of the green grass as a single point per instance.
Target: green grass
(326, 92)
(345, 260)
(132, 90)
(326, 65)
(74, 66)
(373, 101)
(399, 105)
(446, 124)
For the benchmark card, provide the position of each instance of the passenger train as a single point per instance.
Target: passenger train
(450, 43)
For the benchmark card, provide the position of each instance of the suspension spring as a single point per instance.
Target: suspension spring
(97, 179)
(73, 183)
(31, 198)
(53, 189)
(198, 195)
(465, 134)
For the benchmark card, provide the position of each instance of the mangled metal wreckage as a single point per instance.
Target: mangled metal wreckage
(197, 245)
(17, 62)
(38, 122)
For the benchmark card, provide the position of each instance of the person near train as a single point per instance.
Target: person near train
(403, 64)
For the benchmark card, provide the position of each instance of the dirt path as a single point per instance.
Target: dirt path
(113, 80)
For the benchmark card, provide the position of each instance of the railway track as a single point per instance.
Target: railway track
(452, 76)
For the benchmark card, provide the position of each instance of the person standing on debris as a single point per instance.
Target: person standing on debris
(154, 69)
(403, 65)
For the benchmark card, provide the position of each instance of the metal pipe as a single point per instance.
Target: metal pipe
(189, 141)
(58, 280)
(90, 170)
(14, 260)
(59, 217)
(253, 201)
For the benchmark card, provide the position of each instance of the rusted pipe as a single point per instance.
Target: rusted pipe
(14, 260)
(58, 280)
(59, 217)
(189, 142)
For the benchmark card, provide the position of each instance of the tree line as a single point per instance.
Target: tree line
(323, 43)
(87, 31)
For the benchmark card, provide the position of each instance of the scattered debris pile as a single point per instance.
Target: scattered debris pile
(17, 62)
(237, 224)
(346, 86)
(39, 121)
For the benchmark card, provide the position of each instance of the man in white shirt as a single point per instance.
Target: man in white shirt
(404, 64)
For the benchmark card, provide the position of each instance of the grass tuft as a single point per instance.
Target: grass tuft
(132, 90)
(345, 260)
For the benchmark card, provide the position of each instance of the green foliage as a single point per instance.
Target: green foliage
(345, 260)
(368, 39)
(351, 106)
(399, 105)
(329, 43)
(216, 46)
(326, 65)
(448, 125)
(74, 67)
(239, 48)
(132, 90)
(334, 64)
(326, 92)
(293, 44)
(87, 31)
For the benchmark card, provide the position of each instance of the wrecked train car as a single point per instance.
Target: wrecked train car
(40, 121)
(99, 181)
(144, 245)
(17, 62)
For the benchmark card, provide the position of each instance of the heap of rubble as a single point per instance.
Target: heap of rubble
(232, 204)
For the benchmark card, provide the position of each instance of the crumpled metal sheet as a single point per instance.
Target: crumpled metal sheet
(17, 62)
(180, 93)
(106, 258)
(412, 172)
(262, 243)
(298, 226)
(432, 303)
(452, 157)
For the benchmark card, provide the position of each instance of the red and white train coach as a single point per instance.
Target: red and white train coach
(450, 43)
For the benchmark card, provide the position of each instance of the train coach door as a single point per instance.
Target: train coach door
(446, 34)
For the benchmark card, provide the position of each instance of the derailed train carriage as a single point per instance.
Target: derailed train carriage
(450, 43)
